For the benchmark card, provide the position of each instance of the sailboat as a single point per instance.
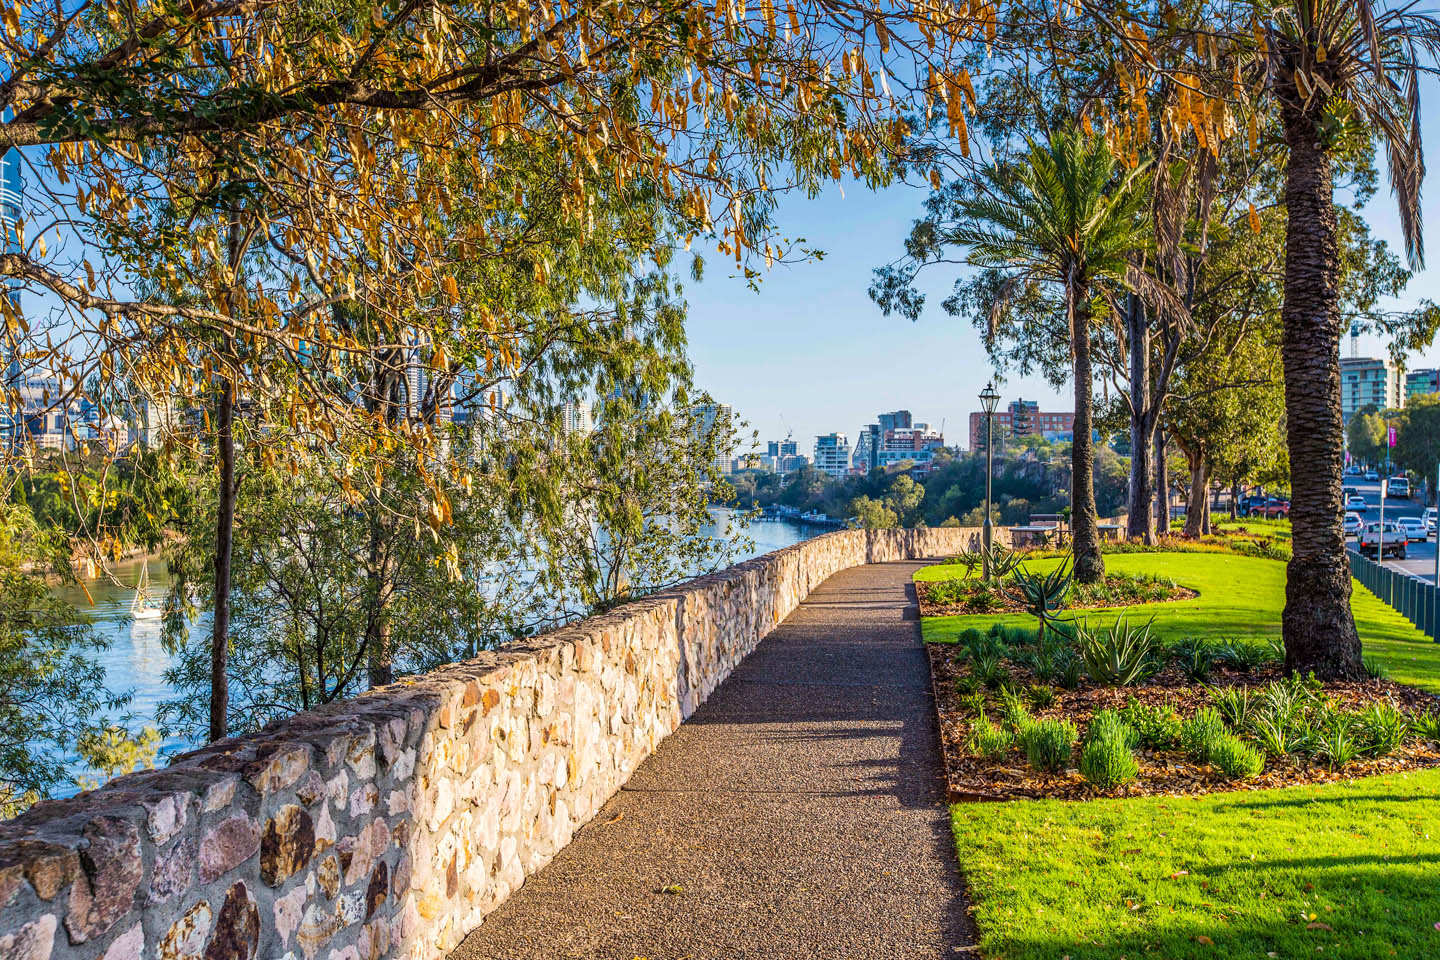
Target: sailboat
(140, 607)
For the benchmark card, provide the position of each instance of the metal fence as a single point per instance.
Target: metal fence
(1415, 599)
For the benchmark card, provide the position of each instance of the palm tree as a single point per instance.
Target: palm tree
(1066, 216)
(1332, 66)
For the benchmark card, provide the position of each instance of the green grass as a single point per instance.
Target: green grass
(1240, 599)
(1252, 873)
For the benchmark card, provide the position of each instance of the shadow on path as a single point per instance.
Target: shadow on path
(800, 813)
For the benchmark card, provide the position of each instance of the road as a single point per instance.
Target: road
(1421, 556)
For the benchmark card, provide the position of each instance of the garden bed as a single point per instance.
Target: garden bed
(1164, 702)
(962, 596)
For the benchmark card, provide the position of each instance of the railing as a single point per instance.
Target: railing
(1415, 599)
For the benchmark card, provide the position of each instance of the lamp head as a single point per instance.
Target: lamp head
(989, 398)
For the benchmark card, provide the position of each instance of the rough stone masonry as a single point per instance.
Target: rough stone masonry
(391, 824)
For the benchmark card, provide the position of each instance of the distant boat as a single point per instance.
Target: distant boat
(140, 607)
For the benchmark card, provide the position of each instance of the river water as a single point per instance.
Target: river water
(135, 661)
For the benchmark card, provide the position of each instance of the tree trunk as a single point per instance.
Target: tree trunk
(1195, 504)
(1089, 565)
(386, 403)
(1162, 484)
(1141, 523)
(1205, 515)
(1318, 627)
(1235, 501)
(224, 541)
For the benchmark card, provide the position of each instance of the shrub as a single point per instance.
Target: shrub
(1158, 727)
(1040, 696)
(989, 740)
(1041, 594)
(1107, 725)
(1068, 671)
(1118, 656)
(1280, 735)
(1335, 744)
(973, 703)
(1012, 710)
(1425, 726)
(1236, 759)
(1108, 763)
(1381, 729)
(1195, 657)
(1242, 656)
(1375, 670)
(1200, 733)
(1048, 743)
(967, 684)
(1234, 704)
(989, 670)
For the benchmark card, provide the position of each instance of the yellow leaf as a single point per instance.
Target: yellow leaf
(1201, 938)
(1254, 220)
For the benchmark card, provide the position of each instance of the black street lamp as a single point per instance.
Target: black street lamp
(988, 399)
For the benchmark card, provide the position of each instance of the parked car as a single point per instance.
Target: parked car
(1398, 488)
(1353, 523)
(1357, 503)
(1352, 471)
(1429, 516)
(1269, 507)
(1414, 528)
(1371, 475)
(1392, 541)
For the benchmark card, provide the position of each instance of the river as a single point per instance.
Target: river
(135, 661)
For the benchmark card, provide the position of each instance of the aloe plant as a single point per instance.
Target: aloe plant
(1042, 593)
(1119, 656)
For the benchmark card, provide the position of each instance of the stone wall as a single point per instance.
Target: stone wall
(391, 824)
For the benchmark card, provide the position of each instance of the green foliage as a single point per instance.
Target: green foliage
(1107, 762)
(1157, 727)
(988, 668)
(52, 686)
(873, 514)
(1375, 670)
(1233, 703)
(989, 740)
(1195, 657)
(972, 703)
(1380, 729)
(1335, 741)
(1244, 656)
(1041, 696)
(113, 751)
(1048, 743)
(1118, 655)
(1234, 758)
(1041, 593)
(1200, 734)
(1425, 726)
(1122, 589)
(1013, 711)
(1108, 725)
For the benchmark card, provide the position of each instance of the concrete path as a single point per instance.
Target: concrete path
(798, 814)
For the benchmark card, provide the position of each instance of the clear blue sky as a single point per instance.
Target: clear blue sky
(810, 347)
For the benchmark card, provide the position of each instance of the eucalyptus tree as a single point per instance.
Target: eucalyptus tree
(1053, 226)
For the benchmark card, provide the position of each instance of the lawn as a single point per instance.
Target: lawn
(1240, 599)
(1348, 870)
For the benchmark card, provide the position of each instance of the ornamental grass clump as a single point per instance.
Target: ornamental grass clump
(1235, 759)
(1200, 734)
(1048, 744)
(1381, 729)
(1106, 761)
(989, 740)
(1108, 725)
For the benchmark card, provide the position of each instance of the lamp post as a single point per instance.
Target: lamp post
(988, 398)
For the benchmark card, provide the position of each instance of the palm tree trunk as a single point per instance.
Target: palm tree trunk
(1089, 565)
(1318, 627)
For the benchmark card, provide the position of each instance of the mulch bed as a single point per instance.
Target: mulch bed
(970, 777)
(929, 607)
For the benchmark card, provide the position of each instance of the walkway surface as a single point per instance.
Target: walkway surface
(798, 814)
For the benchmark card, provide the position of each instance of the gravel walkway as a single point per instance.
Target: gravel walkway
(798, 814)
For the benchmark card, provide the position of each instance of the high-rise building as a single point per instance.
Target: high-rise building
(1420, 382)
(781, 448)
(1022, 418)
(716, 423)
(895, 420)
(1366, 381)
(867, 448)
(832, 454)
(12, 417)
(575, 417)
